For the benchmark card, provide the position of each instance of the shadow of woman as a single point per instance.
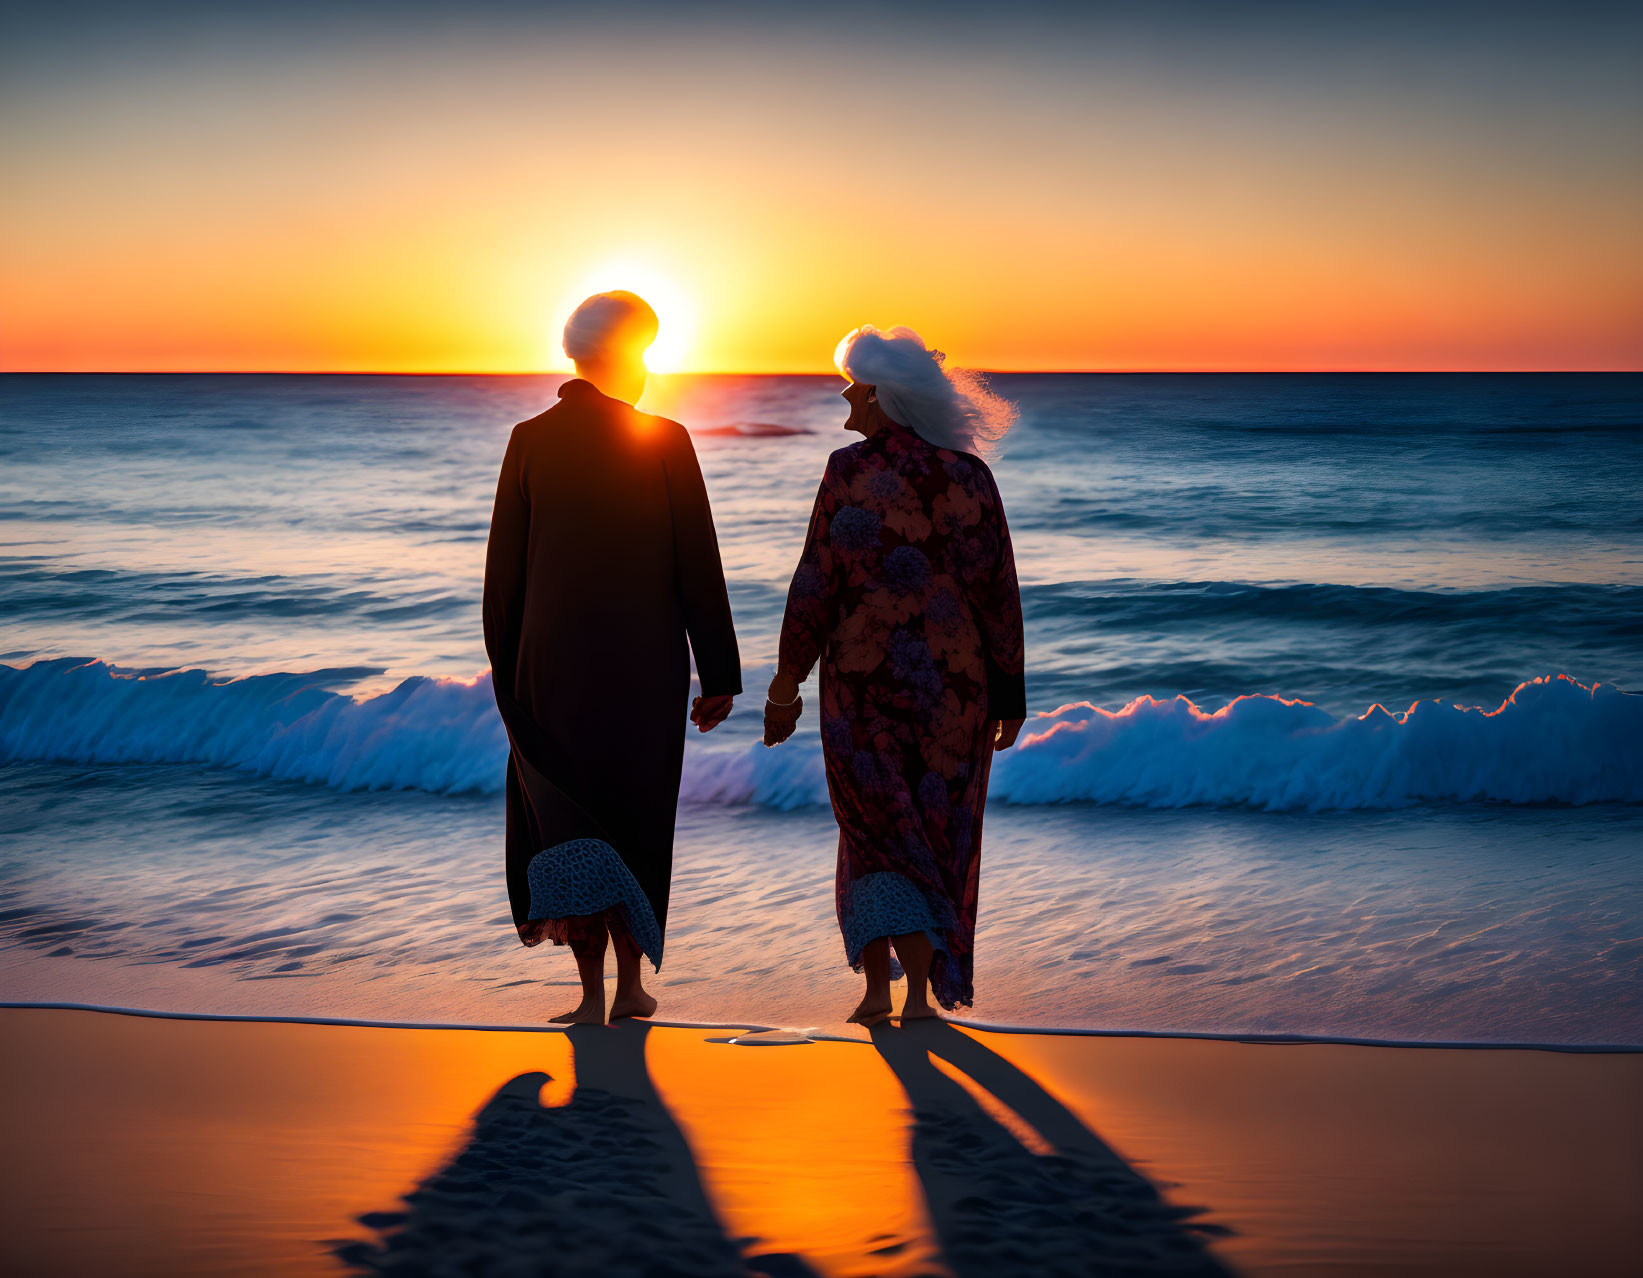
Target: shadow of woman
(1070, 1206)
(605, 1184)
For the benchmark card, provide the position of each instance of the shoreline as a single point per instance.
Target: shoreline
(815, 1034)
(1427, 925)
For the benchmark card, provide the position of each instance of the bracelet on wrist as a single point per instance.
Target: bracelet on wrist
(797, 696)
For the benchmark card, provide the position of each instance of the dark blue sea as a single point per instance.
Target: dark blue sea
(1334, 679)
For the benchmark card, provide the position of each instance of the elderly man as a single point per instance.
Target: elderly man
(602, 561)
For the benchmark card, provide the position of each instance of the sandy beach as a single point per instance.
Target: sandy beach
(149, 1145)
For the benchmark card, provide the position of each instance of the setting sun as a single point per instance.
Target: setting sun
(676, 341)
(1201, 210)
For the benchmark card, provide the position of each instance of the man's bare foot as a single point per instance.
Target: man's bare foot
(586, 1012)
(637, 1003)
(870, 1011)
(918, 1012)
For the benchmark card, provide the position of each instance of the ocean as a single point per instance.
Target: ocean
(1334, 681)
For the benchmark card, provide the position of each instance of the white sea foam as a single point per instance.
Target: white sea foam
(439, 735)
(1552, 741)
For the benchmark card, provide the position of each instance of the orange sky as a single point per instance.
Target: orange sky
(433, 204)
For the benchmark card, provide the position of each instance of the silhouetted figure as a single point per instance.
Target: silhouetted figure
(906, 592)
(603, 1186)
(1000, 1208)
(602, 561)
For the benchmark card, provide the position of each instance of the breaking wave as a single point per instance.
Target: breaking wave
(1553, 740)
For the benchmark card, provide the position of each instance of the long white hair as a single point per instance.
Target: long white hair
(949, 407)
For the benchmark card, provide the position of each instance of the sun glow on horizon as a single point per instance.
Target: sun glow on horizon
(676, 341)
(298, 195)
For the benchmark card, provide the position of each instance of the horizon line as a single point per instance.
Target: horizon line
(1007, 372)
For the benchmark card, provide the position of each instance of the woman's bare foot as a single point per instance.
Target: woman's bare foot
(916, 952)
(875, 966)
(638, 1003)
(587, 1012)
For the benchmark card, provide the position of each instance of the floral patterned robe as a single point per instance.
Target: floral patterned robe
(907, 592)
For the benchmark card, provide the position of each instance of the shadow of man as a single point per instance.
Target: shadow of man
(605, 1184)
(1000, 1207)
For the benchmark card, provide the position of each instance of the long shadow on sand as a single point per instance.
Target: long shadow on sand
(603, 1185)
(1071, 1207)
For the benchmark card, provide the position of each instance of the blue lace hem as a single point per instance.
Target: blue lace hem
(586, 876)
(886, 904)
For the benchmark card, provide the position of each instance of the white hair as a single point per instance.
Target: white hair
(948, 407)
(608, 324)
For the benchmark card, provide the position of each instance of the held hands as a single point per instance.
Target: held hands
(1005, 733)
(707, 713)
(780, 719)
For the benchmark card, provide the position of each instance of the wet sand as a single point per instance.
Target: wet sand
(160, 1146)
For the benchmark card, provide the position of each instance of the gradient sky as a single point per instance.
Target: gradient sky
(406, 187)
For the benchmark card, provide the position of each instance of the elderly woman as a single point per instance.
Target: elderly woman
(906, 591)
(602, 563)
